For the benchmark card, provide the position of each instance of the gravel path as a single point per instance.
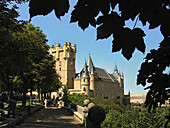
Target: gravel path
(51, 117)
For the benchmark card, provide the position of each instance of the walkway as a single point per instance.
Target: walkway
(50, 117)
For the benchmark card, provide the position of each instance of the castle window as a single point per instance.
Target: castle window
(118, 97)
(105, 97)
(84, 89)
(59, 69)
(84, 80)
(59, 63)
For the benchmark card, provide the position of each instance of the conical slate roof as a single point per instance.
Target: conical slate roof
(115, 69)
(90, 65)
(85, 72)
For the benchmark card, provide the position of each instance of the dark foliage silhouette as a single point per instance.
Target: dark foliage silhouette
(126, 40)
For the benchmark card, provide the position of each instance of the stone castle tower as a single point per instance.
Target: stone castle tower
(65, 62)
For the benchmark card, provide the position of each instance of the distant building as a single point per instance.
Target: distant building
(92, 81)
(137, 98)
(140, 98)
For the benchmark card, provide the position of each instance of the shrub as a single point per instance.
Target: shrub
(134, 118)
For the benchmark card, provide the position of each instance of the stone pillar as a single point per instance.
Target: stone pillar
(93, 115)
(85, 111)
(96, 116)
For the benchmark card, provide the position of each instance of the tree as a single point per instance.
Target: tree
(66, 93)
(46, 76)
(40, 64)
(153, 72)
(12, 55)
(22, 48)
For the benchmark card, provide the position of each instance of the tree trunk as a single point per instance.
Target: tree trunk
(42, 100)
(38, 93)
(24, 96)
(45, 95)
(50, 94)
(31, 95)
(11, 95)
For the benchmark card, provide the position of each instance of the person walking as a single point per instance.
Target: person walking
(45, 102)
(12, 106)
(56, 101)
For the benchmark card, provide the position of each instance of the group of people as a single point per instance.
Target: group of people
(11, 107)
(55, 101)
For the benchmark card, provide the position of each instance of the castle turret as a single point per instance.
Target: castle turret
(68, 49)
(91, 70)
(122, 75)
(74, 48)
(119, 77)
(57, 51)
(51, 49)
(115, 69)
(64, 50)
(85, 83)
(122, 82)
(90, 65)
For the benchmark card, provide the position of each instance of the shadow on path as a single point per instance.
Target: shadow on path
(51, 117)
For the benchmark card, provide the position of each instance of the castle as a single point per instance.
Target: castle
(92, 81)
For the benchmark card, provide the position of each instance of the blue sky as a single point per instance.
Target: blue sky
(100, 50)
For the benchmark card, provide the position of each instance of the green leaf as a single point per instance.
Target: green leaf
(103, 31)
(138, 34)
(39, 7)
(128, 40)
(111, 23)
(61, 7)
(165, 28)
(84, 14)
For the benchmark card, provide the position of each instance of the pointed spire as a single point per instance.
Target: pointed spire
(115, 69)
(90, 65)
(85, 71)
(122, 74)
(119, 73)
(129, 93)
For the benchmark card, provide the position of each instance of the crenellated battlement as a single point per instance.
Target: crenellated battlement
(66, 50)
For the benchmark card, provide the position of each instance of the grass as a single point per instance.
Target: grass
(20, 108)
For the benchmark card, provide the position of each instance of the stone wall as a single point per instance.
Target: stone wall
(110, 90)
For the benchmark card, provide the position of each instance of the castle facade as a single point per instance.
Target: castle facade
(65, 62)
(92, 81)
